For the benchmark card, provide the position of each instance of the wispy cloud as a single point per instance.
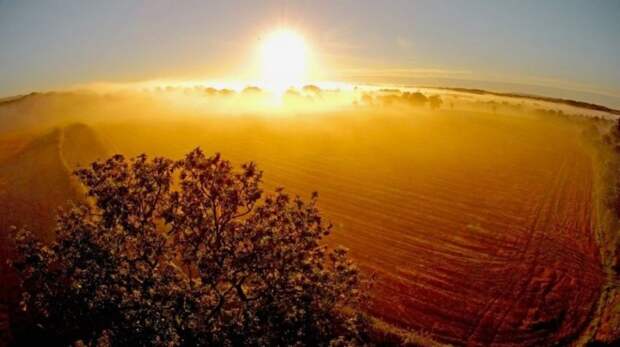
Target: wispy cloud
(552, 82)
(405, 73)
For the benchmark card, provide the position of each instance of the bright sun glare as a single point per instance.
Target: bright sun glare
(283, 59)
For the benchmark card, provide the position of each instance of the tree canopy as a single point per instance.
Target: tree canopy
(187, 252)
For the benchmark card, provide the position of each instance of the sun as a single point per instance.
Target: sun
(283, 60)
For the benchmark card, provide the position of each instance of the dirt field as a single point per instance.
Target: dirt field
(478, 226)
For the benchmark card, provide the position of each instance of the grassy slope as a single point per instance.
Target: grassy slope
(603, 142)
(34, 182)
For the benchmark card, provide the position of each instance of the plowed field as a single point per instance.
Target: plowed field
(478, 227)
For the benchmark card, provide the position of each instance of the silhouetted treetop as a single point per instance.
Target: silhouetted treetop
(187, 252)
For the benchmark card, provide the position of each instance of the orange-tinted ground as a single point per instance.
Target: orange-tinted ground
(477, 226)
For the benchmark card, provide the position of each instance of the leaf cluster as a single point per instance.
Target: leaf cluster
(187, 252)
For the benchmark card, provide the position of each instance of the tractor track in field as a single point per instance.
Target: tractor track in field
(479, 229)
(522, 257)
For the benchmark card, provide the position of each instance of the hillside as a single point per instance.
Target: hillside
(574, 103)
(37, 180)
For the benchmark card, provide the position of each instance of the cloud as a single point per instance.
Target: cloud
(564, 84)
(400, 73)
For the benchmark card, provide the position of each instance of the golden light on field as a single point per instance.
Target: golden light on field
(283, 57)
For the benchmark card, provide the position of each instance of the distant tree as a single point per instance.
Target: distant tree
(311, 89)
(187, 252)
(414, 98)
(435, 101)
(367, 99)
(252, 90)
(292, 94)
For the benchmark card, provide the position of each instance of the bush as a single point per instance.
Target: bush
(187, 252)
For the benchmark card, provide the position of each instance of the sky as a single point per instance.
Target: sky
(561, 48)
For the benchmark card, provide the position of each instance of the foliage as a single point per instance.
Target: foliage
(435, 101)
(187, 252)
